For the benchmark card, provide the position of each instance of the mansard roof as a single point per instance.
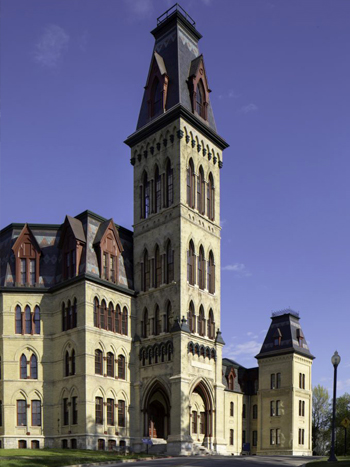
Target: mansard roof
(285, 327)
(176, 51)
(76, 227)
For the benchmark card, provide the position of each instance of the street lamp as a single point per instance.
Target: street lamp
(335, 362)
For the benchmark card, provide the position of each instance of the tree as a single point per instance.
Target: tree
(321, 416)
(343, 411)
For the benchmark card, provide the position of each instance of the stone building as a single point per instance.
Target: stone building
(110, 337)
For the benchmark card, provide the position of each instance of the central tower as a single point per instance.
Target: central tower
(177, 156)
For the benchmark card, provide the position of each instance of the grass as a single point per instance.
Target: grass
(342, 462)
(57, 457)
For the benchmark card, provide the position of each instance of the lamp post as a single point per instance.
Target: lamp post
(335, 362)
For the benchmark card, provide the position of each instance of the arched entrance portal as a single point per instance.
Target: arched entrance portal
(201, 415)
(157, 412)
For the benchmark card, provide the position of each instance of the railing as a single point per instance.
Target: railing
(171, 11)
(285, 312)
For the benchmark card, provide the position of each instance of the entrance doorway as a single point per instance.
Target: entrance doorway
(157, 413)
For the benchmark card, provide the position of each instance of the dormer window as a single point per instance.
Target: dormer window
(72, 242)
(108, 243)
(156, 87)
(27, 253)
(200, 100)
(300, 337)
(277, 336)
(198, 88)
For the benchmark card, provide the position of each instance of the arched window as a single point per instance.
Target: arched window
(191, 198)
(201, 269)
(169, 189)
(232, 409)
(156, 321)
(201, 191)
(211, 325)
(37, 320)
(70, 315)
(211, 198)
(18, 320)
(201, 322)
(169, 263)
(28, 320)
(121, 367)
(211, 273)
(145, 323)
(75, 314)
(117, 320)
(96, 312)
(98, 362)
(156, 98)
(191, 261)
(200, 99)
(66, 364)
(33, 367)
(23, 367)
(145, 197)
(145, 272)
(110, 364)
(103, 315)
(231, 380)
(125, 321)
(167, 318)
(157, 190)
(110, 317)
(64, 317)
(73, 362)
(191, 318)
(158, 268)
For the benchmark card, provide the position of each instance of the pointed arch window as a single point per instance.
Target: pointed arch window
(211, 325)
(103, 315)
(145, 272)
(191, 261)
(201, 269)
(117, 320)
(96, 312)
(23, 367)
(156, 98)
(191, 318)
(98, 362)
(27, 320)
(110, 317)
(66, 364)
(18, 318)
(121, 367)
(201, 191)
(33, 367)
(167, 318)
(74, 314)
(157, 190)
(145, 197)
(145, 323)
(211, 198)
(110, 364)
(169, 263)
(200, 100)
(27, 258)
(158, 268)
(211, 273)
(125, 321)
(169, 190)
(201, 322)
(191, 197)
(73, 362)
(157, 327)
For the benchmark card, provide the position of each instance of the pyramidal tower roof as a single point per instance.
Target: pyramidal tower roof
(177, 59)
(284, 336)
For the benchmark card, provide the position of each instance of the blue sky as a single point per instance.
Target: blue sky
(72, 77)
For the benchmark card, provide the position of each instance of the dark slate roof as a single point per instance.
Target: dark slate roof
(285, 324)
(176, 42)
(77, 228)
